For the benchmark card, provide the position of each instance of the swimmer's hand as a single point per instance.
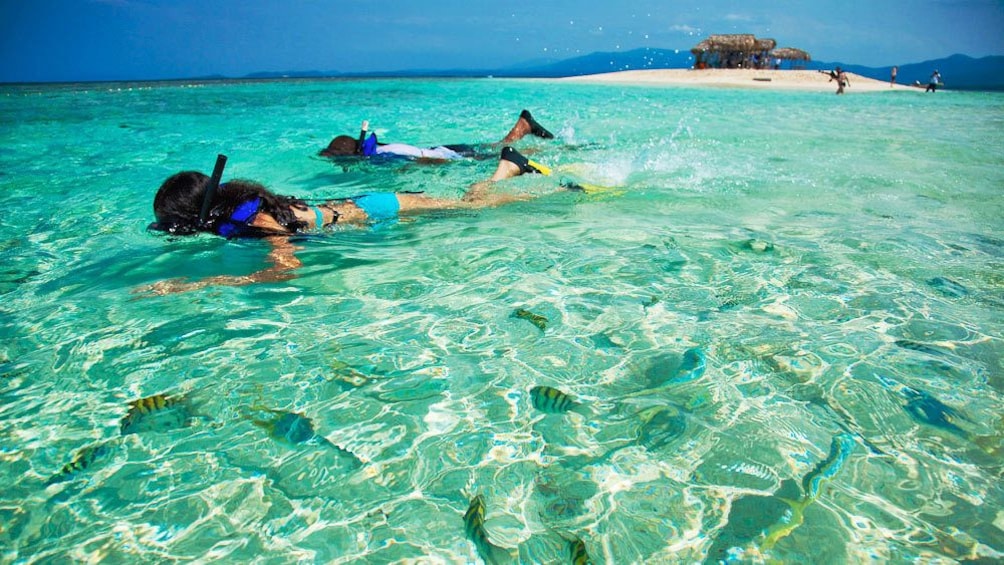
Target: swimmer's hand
(366, 125)
(161, 288)
(182, 284)
(282, 256)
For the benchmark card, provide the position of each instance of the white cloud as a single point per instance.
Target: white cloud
(683, 28)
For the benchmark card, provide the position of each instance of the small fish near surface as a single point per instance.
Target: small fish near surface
(81, 461)
(288, 427)
(948, 287)
(293, 428)
(840, 449)
(758, 245)
(660, 425)
(535, 319)
(926, 408)
(157, 413)
(667, 369)
(692, 366)
(749, 517)
(577, 554)
(922, 406)
(922, 347)
(474, 527)
(551, 400)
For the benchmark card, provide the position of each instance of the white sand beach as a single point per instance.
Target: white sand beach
(743, 78)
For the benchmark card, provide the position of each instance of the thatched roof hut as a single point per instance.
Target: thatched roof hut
(730, 51)
(790, 54)
(764, 44)
(732, 42)
(701, 47)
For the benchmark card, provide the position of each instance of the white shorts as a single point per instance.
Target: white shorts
(405, 150)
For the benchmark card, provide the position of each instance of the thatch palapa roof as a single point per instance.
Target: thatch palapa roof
(701, 47)
(791, 54)
(737, 42)
(741, 50)
(732, 42)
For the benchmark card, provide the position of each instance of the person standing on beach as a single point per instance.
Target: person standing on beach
(933, 82)
(892, 78)
(842, 80)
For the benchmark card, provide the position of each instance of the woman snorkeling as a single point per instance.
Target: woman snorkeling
(190, 202)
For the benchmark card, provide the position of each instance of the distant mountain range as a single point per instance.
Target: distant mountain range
(959, 72)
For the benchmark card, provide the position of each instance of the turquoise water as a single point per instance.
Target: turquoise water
(782, 328)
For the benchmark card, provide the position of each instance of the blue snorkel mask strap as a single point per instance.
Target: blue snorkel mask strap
(214, 184)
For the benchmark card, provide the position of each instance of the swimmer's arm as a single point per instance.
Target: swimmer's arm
(282, 256)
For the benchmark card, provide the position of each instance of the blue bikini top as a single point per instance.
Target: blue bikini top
(240, 221)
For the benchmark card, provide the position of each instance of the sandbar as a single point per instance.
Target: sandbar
(742, 78)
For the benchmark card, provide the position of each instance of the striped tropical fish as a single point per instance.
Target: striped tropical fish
(577, 552)
(535, 319)
(474, 526)
(81, 461)
(156, 413)
(551, 400)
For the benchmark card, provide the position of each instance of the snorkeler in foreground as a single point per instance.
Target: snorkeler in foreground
(190, 202)
(368, 146)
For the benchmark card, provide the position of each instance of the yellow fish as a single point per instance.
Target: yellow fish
(577, 552)
(156, 413)
(81, 460)
(551, 400)
(535, 319)
(474, 526)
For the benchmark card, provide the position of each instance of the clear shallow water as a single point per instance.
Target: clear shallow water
(837, 261)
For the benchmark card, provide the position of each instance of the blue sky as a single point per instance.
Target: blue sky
(72, 40)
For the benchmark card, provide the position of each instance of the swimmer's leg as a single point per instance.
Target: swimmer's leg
(524, 125)
(511, 164)
(522, 163)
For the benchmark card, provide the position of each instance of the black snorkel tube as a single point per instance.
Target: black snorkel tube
(214, 184)
(359, 142)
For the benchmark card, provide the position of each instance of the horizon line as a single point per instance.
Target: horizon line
(422, 73)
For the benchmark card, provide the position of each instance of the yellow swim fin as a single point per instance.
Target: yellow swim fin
(591, 189)
(525, 165)
(540, 168)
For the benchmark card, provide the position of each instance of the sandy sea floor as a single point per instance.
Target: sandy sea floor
(779, 313)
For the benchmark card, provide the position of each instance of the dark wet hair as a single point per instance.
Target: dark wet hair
(341, 145)
(179, 201)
